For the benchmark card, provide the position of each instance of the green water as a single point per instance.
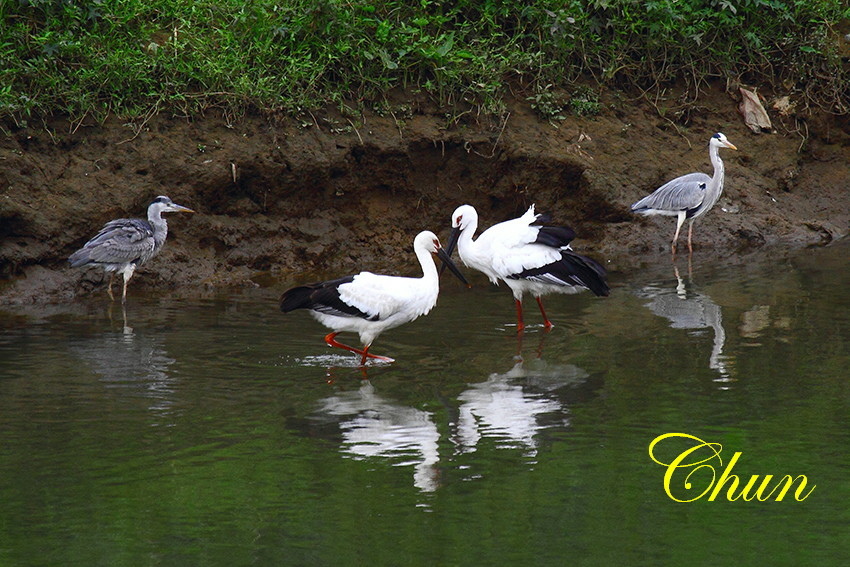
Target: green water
(217, 431)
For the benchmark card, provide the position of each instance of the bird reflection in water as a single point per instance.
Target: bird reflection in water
(513, 407)
(373, 426)
(510, 408)
(688, 309)
(137, 363)
(126, 329)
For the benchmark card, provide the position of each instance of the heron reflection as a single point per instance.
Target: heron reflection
(136, 362)
(374, 426)
(688, 309)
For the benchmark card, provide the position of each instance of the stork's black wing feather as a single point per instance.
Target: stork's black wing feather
(322, 297)
(571, 269)
(555, 236)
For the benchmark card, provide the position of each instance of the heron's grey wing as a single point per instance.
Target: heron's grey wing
(120, 241)
(680, 194)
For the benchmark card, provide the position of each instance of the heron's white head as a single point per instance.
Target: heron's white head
(464, 216)
(719, 140)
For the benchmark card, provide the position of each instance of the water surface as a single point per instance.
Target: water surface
(215, 430)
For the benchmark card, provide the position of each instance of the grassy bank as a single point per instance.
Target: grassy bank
(135, 57)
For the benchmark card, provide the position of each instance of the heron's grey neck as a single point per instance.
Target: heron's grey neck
(715, 187)
(160, 227)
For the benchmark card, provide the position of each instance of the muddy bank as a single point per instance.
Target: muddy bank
(297, 199)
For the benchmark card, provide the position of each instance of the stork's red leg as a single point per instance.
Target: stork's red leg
(367, 354)
(546, 322)
(330, 339)
(519, 324)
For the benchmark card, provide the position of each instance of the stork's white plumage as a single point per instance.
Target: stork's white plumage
(528, 255)
(369, 304)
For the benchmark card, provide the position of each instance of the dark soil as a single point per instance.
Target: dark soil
(295, 199)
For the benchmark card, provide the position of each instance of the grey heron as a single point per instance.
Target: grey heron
(124, 244)
(528, 255)
(369, 304)
(689, 196)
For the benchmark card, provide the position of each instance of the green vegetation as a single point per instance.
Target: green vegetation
(137, 57)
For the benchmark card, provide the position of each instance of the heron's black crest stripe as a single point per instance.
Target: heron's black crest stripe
(572, 269)
(322, 297)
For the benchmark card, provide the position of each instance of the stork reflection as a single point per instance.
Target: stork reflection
(373, 426)
(688, 309)
(513, 407)
(510, 409)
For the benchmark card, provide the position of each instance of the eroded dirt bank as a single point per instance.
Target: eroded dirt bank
(330, 195)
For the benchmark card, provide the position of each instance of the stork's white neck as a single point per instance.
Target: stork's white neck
(471, 253)
(465, 243)
(427, 288)
(429, 267)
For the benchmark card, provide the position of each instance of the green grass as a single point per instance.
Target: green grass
(134, 57)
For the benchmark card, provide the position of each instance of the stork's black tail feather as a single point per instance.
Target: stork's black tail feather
(310, 295)
(591, 274)
(297, 298)
(322, 297)
(572, 270)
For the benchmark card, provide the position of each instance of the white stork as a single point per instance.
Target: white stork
(368, 303)
(527, 255)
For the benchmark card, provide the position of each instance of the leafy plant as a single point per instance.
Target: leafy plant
(584, 101)
(96, 57)
(547, 104)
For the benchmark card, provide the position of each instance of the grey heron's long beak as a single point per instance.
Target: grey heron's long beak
(175, 208)
(730, 145)
(453, 238)
(447, 261)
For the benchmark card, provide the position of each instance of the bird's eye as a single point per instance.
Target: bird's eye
(459, 218)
